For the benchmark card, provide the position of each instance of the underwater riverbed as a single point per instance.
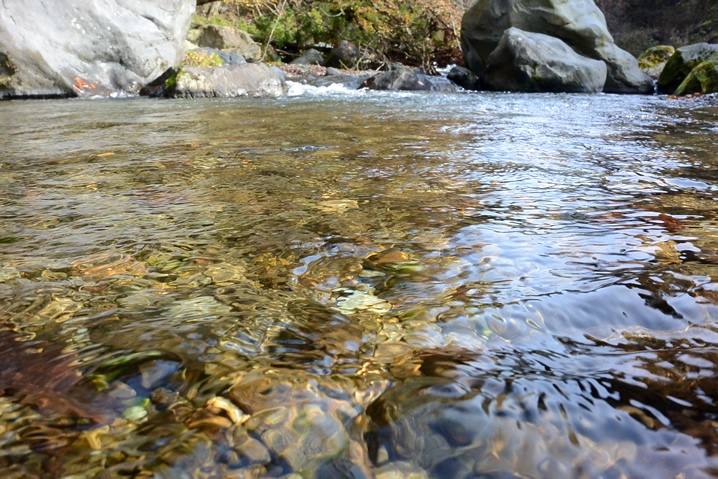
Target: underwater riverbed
(360, 285)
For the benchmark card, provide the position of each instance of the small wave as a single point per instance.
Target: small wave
(300, 89)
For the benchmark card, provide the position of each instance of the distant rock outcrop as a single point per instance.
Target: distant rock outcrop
(578, 23)
(67, 48)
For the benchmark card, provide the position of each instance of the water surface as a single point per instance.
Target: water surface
(359, 285)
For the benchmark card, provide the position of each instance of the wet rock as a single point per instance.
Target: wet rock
(653, 60)
(533, 62)
(227, 39)
(250, 450)
(408, 80)
(681, 63)
(201, 307)
(465, 78)
(225, 273)
(304, 436)
(229, 81)
(401, 470)
(310, 57)
(43, 374)
(580, 24)
(84, 48)
(346, 55)
(421, 421)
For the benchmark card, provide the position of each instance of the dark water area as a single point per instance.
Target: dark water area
(361, 285)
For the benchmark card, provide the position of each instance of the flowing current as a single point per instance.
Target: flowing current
(365, 285)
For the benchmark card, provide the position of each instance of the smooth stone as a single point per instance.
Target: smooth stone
(89, 48)
(579, 23)
(533, 62)
(310, 57)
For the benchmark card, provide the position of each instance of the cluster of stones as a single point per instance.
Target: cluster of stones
(110, 48)
(547, 46)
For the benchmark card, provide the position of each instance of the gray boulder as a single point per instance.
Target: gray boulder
(579, 23)
(681, 63)
(229, 81)
(465, 78)
(533, 62)
(227, 39)
(86, 48)
(346, 55)
(408, 80)
(310, 57)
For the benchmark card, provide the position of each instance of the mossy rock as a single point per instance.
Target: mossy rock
(653, 60)
(655, 56)
(702, 79)
(680, 65)
(6, 66)
(202, 59)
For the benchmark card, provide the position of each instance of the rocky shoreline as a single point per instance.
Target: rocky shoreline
(147, 47)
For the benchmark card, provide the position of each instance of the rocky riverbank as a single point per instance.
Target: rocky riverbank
(148, 47)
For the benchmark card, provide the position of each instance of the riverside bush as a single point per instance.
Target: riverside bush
(416, 32)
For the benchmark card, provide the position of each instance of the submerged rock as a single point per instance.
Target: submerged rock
(680, 65)
(533, 62)
(83, 48)
(229, 81)
(580, 24)
(653, 60)
(407, 79)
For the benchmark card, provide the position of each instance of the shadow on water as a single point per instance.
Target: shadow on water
(367, 285)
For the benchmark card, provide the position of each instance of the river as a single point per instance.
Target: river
(360, 284)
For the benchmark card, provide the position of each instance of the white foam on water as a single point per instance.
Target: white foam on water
(300, 89)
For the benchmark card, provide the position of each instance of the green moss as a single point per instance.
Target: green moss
(171, 81)
(6, 66)
(702, 79)
(215, 20)
(655, 56)
(201, 59)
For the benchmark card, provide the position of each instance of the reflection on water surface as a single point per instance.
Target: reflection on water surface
(367, 285)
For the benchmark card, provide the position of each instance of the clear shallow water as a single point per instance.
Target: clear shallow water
(359, 285)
